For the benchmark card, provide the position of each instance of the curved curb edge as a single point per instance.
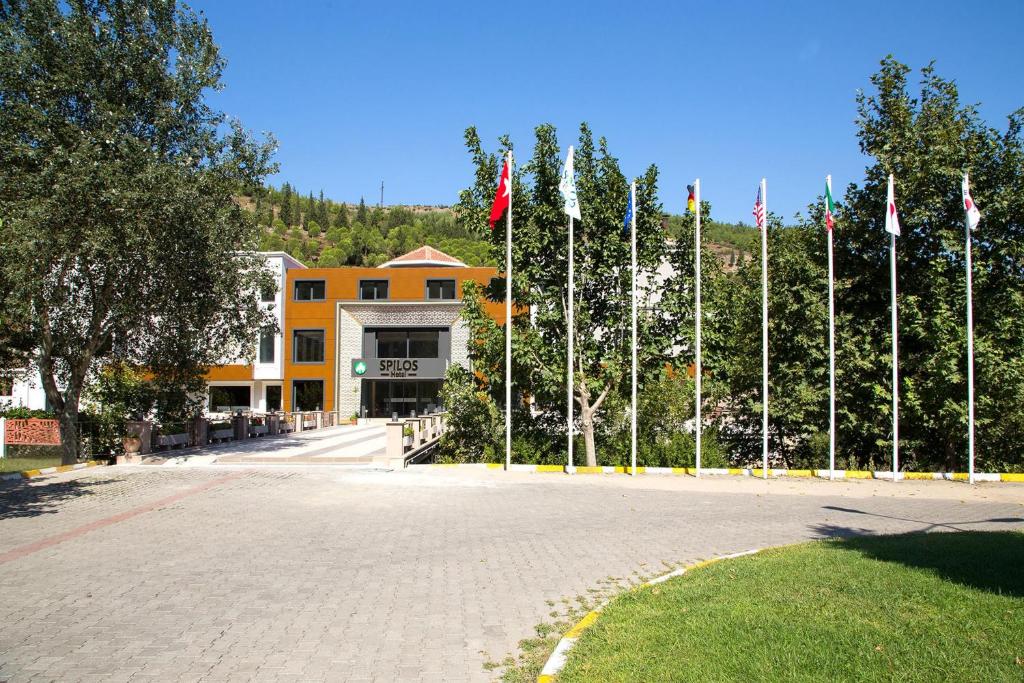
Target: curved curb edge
(560, 654)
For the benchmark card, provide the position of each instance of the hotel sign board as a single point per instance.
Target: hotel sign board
(399, 368)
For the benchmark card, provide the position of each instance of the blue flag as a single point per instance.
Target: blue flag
(629, 212)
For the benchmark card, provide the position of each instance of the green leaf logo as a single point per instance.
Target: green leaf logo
(359, 367)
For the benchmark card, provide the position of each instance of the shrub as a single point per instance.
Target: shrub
(473, 428)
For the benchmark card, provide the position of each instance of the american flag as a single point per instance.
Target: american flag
(759, 210)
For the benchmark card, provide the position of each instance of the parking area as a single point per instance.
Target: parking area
(238, 572)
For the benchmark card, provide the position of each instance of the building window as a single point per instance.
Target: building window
(392, 344)
(274, 398)
(267, 345)
(308, 346)
(267, 294)
(440, 289)
(228, 399)
(373, 289)
(307, 394)
(310, 290)
(421, 343)
(6, 385)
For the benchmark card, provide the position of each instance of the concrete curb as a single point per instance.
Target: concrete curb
(32, 474)
(742, 472)
(560, 654)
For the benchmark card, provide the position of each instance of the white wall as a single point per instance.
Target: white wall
(27, 392)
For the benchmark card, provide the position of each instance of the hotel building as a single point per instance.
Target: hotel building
(366, 341)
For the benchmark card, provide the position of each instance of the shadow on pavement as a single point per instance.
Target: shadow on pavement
(985, 560)
(25, 499)
(928, 526)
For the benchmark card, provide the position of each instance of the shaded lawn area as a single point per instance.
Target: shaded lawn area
(20, 458)
(18, 464)
(915, 607)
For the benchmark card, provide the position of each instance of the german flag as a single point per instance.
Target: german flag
(691, 200)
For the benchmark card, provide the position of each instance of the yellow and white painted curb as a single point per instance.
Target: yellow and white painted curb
(31, 474)
(742, 472)
(558, 658)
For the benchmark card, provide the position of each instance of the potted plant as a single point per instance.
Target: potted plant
(354, 419)
(132, 444)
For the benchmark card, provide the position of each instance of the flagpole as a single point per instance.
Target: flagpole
(632, 250)
(895, 359)
(831, 350)
(508, 321)
(764, 330)
(698, 370)
(571, 344)
(970, 348)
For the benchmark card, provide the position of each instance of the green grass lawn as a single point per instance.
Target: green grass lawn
(29, 458)
(920, 607)
(18, 464)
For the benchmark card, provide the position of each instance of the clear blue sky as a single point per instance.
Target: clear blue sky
(730, 91)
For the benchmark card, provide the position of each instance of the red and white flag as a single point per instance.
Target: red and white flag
(759, 216)
(503, 196)
(892, 219)
(970, 208)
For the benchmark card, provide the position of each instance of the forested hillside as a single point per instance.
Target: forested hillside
(324, 233)
(321, 232)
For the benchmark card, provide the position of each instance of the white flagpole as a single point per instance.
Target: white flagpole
(699, 372)
(632, 250)
(831, 350)
(508, 321)
(571, 342)
(895, 359)
(970, 350)
(764, 329)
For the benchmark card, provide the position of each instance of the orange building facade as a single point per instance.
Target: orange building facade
(371, 342)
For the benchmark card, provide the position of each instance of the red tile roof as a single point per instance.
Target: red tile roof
(424, 256)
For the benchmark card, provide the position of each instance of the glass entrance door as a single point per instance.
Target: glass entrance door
(384, 397)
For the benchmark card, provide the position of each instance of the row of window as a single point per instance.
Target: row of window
(308, 345)
(371, 290)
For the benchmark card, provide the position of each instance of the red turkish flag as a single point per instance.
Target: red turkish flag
(503, 197)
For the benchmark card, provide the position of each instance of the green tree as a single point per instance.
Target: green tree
(927, 142)
(341, 217)
(540, 256)
(797, 355)
(473, 427)
(116, 189)
(362, 214)
(285, 211)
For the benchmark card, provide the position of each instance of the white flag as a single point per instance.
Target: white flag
(568, 188)
(892, 219)
(973, 215)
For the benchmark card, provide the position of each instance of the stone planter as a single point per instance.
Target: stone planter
(132, 444)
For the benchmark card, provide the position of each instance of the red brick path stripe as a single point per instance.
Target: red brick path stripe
(24, 550)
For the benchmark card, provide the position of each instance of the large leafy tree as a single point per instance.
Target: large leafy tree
(120, 239)
(927, 142)
(540, 257)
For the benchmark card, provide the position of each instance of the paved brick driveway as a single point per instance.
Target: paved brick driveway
(321, 573)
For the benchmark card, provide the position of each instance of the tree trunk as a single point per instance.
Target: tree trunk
(587, 412)
(65, 406)
(68, 419)
(588, 437)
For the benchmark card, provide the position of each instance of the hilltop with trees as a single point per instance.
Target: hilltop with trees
(322, 232)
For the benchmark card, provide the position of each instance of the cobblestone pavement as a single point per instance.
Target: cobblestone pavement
(322, 573)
